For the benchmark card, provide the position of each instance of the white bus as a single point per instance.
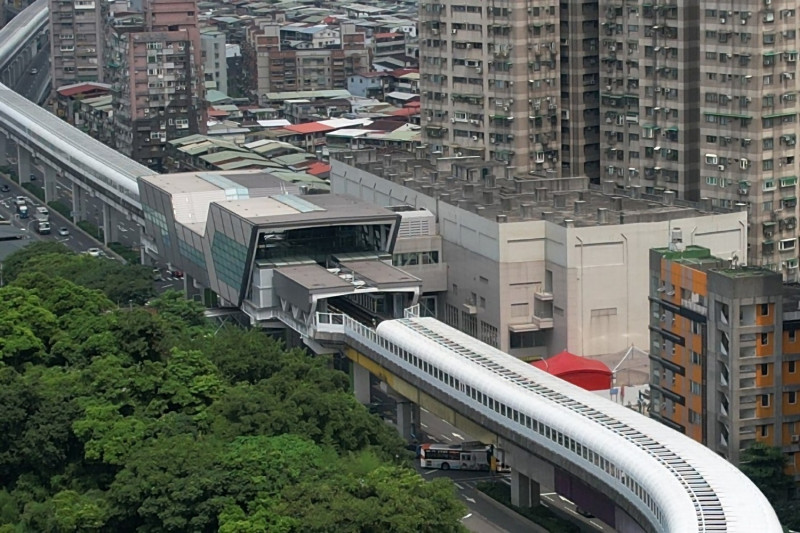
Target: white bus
(465, 456)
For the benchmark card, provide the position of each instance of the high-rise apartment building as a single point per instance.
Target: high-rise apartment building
(490, 82)
(724, 352)
(155, 67)
(698, 98)
(701, 98)
(76, 41)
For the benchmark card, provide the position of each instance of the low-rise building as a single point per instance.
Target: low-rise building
(538, 266)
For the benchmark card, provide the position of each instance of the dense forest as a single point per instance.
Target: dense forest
(123, 412)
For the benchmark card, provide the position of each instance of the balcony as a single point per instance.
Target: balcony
(693, 306)
(543, 295)
(543, 322)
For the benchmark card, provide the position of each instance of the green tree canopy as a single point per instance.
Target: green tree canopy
(150, 419)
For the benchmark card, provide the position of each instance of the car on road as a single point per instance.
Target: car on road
(64, 232)
(5, 188)
(34, 71)
(94, 252)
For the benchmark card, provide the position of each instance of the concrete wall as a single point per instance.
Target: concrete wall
(599, 273)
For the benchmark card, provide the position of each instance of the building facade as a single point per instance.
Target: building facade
(293, 58)
(534, 271)
(76, 41)
(724, 352)
(156, 72)
(215, 61)
(490, 83)
(252, 241)
(701, 99)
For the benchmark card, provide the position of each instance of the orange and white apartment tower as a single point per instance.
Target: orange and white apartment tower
(724, 351)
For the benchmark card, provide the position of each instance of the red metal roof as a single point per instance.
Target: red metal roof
(405, 112)
(217, 113)
(589, 374)
(309, 127)
(318, 168)
(81, 89)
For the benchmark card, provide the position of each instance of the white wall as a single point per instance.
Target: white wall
(608, 271)
(600, 273)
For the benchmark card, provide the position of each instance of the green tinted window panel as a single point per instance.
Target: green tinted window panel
(229, 259)
(191, 253)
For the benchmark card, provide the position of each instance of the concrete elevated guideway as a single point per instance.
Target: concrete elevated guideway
(635, 474)
(21, 39)
(92, 168)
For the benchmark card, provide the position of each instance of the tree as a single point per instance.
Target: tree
(15, 263)
(149, 419)
(766, 467)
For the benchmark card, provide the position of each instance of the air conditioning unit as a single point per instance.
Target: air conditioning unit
(478, 70)
(454, 31)
(474, 137)
(721, 167)
(795, 439)
(742, 191)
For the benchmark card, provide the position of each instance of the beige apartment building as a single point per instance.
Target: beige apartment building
(156, 71)
(490, 82)
(702, 99)
(76, 41)
(288, 57)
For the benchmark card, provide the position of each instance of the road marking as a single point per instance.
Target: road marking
(456, 435)
(424, 410)
(548, 494)
(425, 426)
(460, 487)
(428, 472)
(470, 500)
(446, 437)
(466, 516)
(506, 481)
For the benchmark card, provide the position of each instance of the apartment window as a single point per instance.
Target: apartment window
(695, 388)
(792, 366)
(696, 358)
(792, 397)
(764, 369)
(764, 339)
(763, 430)
(695, 418)
(764, 309)
(763, 399)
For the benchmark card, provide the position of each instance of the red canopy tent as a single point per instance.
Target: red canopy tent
(589, 374)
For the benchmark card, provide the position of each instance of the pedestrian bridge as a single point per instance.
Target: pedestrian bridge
(657, 478)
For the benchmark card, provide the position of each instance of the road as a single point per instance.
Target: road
(127, 231)
(484, 516)
(76, 240)
(29, 85)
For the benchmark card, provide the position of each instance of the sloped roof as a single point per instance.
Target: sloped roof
(309, 127)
